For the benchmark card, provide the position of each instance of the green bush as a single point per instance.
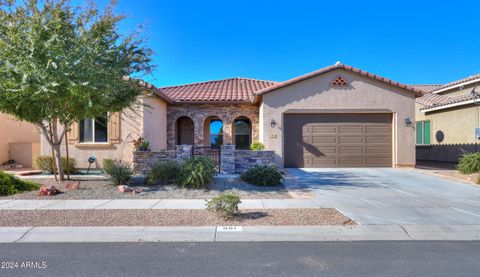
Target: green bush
(119, 173)
(257, 146)
(225, 204)
(163, 173)
(107, 164)
(469, 163)
(196, 172)
(10, 185)
(263, 175)
(45, 163)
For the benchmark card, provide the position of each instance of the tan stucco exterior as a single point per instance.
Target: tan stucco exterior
(18, 140)
(147, 120)
(362, 95)
(452, 130)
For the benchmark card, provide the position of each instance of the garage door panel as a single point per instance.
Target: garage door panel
(338, 140)
(351, 149)
(351, 139)
(378, 139)
(378, 150)
(316, 129)
(350, 129)
(316, 139)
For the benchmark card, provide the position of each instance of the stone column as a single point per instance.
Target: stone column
(227, 131)
(184, 152)
(227, 159)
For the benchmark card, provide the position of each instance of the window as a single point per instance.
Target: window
(216, 133)
(94, 130)
(423, 132)
(243, 133)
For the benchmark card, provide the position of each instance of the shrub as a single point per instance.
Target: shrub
(263, 175)
(119, 173)
(107, 164)
(10, 185)
(225, 204)
(45, 163)
(163, 173)
(469, 163)
(196, 172)
(257, 146)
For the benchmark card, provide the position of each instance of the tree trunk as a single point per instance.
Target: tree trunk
(58, 161)
(67, 155)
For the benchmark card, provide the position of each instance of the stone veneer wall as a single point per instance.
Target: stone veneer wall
(245, 159)
(200, 112)
(144, 161)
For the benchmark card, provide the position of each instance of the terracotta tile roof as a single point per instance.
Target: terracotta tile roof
(427, 87)
(338, 65)
(458, 82)
(147, 86)
(232, 89)
(443, 100)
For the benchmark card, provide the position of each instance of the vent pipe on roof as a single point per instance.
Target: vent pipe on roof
(338, 63)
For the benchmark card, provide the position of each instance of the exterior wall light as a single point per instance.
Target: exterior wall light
(273, 123)
(408, 122)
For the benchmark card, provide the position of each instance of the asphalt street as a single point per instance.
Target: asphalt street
(370, 259)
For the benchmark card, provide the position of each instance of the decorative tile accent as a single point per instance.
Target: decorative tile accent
(338, 82)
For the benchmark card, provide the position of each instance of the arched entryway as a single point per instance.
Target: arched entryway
(185, 131)
(242, 130)
(213, 132)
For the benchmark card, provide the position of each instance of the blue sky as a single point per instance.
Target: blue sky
(407, 41)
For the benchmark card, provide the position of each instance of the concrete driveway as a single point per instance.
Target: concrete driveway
(392, 196)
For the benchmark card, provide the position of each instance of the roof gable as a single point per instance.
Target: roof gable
(412, 89)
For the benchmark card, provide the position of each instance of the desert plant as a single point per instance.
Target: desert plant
(107, 164)
(263, 175)
(141, 144)
(163, 173)
(469, 163)
(196, 172)
(45, 163)
(225, 204)
(119, 173)
(10, 185)
(257, 146)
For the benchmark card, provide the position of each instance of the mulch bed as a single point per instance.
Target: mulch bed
(277, 217)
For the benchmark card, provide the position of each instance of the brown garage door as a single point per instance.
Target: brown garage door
(338, 140)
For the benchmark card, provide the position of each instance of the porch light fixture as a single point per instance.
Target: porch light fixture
(273, 123)
(408, 122)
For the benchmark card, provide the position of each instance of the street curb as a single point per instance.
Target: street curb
(239, 233)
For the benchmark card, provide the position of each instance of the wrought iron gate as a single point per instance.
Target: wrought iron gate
(207, 151)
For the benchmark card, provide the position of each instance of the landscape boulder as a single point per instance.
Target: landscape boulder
(72, 186)
(48, 191)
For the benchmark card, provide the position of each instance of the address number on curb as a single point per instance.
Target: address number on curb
(229, 228)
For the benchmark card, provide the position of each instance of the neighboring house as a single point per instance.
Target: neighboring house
(338, 116)
(447, 119)
(19, 141)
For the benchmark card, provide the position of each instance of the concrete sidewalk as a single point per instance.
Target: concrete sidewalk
(240, 234)
(148, 204)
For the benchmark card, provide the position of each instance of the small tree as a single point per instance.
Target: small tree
(61, 64)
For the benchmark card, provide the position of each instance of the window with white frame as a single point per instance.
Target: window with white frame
(94, 130)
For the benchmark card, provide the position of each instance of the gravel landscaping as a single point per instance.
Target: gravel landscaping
(284, 217)
(101, 189)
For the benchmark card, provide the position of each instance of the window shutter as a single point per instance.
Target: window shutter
(419, 132)
(114, 128)
(426, 132)
(73, 134)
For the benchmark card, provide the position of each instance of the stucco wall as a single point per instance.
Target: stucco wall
(13, 131)
(363, 93)
(457, 125)
(146, 120)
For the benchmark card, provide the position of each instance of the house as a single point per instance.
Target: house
(338, 116)
(19, 141)
(448, 120)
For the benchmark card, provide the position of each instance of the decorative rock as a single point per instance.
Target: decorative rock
(72, 186)
(123, 188)
(48, 191)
